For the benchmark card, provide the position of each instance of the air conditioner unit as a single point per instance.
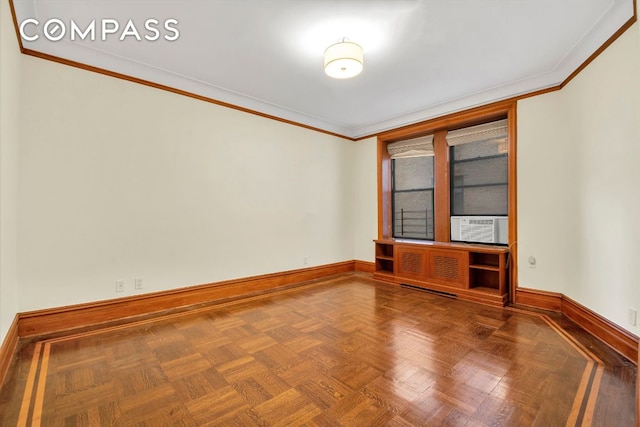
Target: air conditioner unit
(480, 229)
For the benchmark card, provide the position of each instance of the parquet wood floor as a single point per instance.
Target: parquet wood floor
(349, 351)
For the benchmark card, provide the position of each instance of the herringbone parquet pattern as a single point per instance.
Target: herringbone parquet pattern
(345, 352)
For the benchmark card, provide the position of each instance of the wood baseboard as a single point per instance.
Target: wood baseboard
(620, 340)
(365, 266)
(544, 300)
(60, 319)
(8, 349)
(608, 332)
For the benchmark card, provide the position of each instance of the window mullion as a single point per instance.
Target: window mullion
(441, 187)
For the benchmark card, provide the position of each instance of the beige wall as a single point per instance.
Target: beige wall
(365, 218)
(116, 181)
(9, 106)
(119, 180)
(578, 178)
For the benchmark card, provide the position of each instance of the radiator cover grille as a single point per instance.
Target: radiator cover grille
(445, 267)
(411, 263)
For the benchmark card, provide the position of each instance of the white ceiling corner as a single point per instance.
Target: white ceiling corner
(423, 58)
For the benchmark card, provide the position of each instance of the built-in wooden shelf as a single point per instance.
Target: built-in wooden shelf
(384, 259)
(484, 267)
(469, 271)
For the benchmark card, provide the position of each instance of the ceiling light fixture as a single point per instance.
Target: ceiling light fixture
(343, 60)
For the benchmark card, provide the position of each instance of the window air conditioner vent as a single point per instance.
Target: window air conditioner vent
(480, 229)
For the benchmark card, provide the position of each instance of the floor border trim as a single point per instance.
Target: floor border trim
(581, 413)
(61, 320)
(622, 341)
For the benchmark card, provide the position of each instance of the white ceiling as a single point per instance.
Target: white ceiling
(423, 58)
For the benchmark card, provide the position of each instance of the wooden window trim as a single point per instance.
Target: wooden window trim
(439, 127)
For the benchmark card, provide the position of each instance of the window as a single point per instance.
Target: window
(479, 170)
(463, 167)
(412, 173)
(412, 188)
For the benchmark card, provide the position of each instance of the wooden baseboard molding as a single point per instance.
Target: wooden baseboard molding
(365, 266)
(8, 349)
(608, 332)
(620, 340)
(544, 300)
(60, 319)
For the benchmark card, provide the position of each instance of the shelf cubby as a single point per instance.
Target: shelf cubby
(483, 278)
(384, 258)
(483, 259)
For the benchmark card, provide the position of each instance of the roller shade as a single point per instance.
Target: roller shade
(417, 147)
(478, 133)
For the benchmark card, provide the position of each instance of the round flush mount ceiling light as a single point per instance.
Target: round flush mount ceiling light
(343, 60)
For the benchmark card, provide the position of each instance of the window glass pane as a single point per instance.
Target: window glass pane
(412, 198)
(413, 173)
(492, 170)
(479, 178)
(489, 147)
(483, 200)
(413, 214)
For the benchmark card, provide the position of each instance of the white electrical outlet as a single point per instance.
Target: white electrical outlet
(633, 316)
(120, 285)
(532, 262)
(138, 282)
(304, 261)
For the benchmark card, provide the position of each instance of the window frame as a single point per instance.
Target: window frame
(452, 168)
(395, 191)
(439, 127)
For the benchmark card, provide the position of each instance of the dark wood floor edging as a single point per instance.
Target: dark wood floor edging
(617, 338)
(60, 319)
(33, 408)
(8, 349)
(611, 334)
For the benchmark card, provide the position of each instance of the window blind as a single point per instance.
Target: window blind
(416, 147)
(481, 132)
